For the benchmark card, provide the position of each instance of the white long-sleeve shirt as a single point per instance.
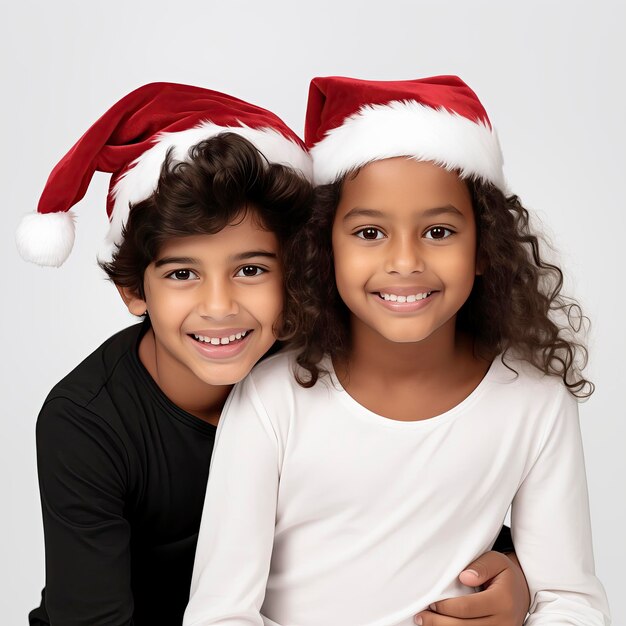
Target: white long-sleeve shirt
(320, 512)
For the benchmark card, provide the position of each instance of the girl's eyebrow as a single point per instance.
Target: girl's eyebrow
(435, 211)
(358, 212)
(442, 210)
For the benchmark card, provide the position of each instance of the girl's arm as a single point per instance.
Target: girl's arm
(551, 527)
(237, 529)
(81, 480)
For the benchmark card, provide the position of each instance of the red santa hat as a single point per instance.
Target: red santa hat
(130, 141)
(351, 122)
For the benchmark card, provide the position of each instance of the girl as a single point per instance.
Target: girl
(436, 388)
(202, 219)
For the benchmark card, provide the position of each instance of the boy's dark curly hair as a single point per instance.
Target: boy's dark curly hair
(224, 178)
(515, 306)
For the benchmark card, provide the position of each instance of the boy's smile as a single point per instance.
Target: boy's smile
(213, 301)
(404, 245)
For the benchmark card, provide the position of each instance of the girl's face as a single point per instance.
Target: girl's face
(404, 245)
(213, 301)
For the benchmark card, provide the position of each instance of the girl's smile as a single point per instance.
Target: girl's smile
(405, 299)
(404, 245)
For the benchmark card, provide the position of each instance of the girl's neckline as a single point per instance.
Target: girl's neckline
(363, 412)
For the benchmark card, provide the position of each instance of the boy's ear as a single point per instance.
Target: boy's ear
(135, 304)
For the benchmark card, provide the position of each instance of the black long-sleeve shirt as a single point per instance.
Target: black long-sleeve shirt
(122, 475)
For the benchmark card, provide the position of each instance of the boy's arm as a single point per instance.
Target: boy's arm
(504, 600)
(82, 483)
(237, 530)
(552, 531)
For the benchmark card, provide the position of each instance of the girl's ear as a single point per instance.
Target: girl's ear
(135, 304)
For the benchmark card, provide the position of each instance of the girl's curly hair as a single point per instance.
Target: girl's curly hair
(515, 306)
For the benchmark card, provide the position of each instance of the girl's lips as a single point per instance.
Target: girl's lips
(405, 307)
(220, 351)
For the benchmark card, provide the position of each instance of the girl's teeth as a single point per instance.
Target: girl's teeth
(392, 297)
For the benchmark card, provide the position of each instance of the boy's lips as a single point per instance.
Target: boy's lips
(219, 345)
(219, 334)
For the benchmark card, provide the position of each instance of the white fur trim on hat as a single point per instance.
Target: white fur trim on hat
(408, 128)
(46, 238)
(140, 181)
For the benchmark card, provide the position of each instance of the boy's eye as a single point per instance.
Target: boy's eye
(182, 275)
(438, 232)
(370, 233)
(249, 271)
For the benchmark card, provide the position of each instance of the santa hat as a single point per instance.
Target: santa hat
(351, 122)
(131, 141)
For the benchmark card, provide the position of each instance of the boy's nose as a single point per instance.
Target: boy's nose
(217, 300)
(404, 257)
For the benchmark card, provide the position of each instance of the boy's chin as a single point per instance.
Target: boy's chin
(226, 374)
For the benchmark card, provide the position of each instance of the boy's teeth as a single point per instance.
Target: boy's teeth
(220, 341)
(392, 297)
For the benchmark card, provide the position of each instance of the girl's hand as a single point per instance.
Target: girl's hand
(504, 600)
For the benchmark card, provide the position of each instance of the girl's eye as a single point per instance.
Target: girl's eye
(438, 232)
(250, 271)
(182, 275)
(370, 233)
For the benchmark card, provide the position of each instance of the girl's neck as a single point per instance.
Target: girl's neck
(426, 359)
(388, 377)
(184, 390)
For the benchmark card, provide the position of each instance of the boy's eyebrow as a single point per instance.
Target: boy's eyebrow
(360, 212)
(254, 253)
(179, 260)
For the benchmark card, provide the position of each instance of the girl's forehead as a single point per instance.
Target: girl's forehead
(400, 181)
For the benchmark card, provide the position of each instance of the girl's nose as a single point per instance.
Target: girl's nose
(217, 300)
(404, 257)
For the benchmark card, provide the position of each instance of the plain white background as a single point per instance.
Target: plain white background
(551, 75)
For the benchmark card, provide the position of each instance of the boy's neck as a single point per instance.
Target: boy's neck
(184, 390)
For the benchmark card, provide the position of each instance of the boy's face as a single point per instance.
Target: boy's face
(213, 301)
(404, 245)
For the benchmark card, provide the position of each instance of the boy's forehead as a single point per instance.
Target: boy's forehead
(241, 240)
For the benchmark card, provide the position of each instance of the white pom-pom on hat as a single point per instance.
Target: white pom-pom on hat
(46, 238)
